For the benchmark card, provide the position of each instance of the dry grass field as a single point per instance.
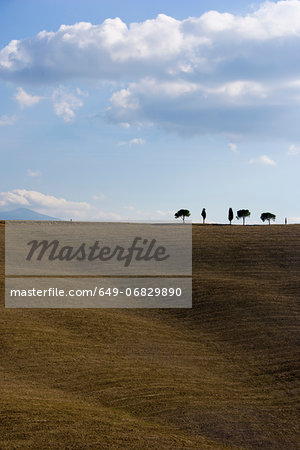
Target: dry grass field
(222, 375)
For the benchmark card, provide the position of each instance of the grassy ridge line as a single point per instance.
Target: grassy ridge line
(222, 375)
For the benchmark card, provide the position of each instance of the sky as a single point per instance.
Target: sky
(114, 110)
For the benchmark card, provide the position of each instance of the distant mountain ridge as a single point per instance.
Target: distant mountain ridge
(24, 214)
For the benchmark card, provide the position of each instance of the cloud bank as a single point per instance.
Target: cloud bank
(217, 73)
(66, 209)
(53, 206)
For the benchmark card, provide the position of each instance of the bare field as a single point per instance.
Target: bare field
(221, 375)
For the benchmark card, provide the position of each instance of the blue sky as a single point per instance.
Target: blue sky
(131, 110)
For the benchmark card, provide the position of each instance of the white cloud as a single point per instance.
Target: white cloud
(33, 173)
(233, 147)
(167, 44)
(134, 141)
(99, 197)
(7, 120)
(54, 206)
(263, 159)
(25, 99)
(239, 89)
(217, 73)
(66, 209)
(66, 103)
(294, 149)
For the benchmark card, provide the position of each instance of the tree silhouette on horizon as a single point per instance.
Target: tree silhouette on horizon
(182, 213)
(230, 215)
(268, 216)
(242, 214)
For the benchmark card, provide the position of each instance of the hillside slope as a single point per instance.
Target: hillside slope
(221, 375)
(24, 214)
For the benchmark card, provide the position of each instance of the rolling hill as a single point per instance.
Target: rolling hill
(24, 214)
(222, 375)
